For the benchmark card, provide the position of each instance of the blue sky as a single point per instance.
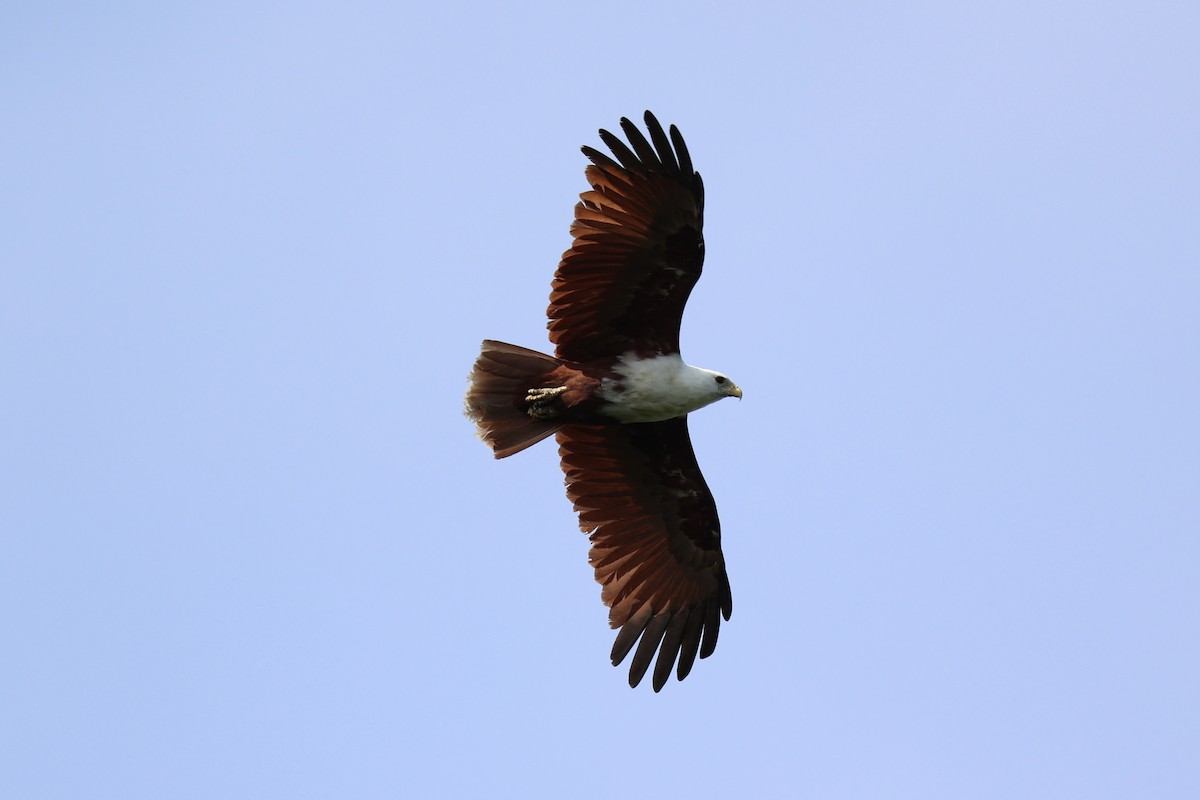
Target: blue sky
(252, 549)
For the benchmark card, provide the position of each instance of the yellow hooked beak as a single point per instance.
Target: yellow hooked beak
(735, 391)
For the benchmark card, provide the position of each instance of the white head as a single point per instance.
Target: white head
(714, 384)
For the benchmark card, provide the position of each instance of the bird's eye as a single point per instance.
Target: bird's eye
(721, 380)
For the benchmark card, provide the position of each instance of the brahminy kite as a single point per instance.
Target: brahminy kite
(617, 394)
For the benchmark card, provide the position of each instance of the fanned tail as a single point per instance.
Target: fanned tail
(502, 376)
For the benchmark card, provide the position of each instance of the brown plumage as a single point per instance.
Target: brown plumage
(656, 542)
(616, 395)
(638, 250)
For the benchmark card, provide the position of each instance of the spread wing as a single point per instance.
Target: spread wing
(637, 252)
(656, 540)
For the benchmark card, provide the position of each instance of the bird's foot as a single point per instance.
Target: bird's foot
(541, 402)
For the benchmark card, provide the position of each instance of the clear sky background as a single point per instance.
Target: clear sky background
(250, 547)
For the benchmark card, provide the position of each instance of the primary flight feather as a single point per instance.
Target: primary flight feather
(617, 394)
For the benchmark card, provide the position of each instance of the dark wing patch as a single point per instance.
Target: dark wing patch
(638, 249)
(656, 541)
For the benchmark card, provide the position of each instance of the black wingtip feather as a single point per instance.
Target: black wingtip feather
(598, 158)
(662, 144)
(681, 150)
(641, 147)
(628, 634)
(689, 644)
(669, 649)
(651, 638)
(626, 156)
(712, 627)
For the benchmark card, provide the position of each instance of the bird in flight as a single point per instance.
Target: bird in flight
(616, 394)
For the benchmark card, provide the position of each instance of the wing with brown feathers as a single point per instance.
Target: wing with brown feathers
(656, 540)
(638, 249)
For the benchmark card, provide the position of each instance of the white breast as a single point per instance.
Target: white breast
(657, 389)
